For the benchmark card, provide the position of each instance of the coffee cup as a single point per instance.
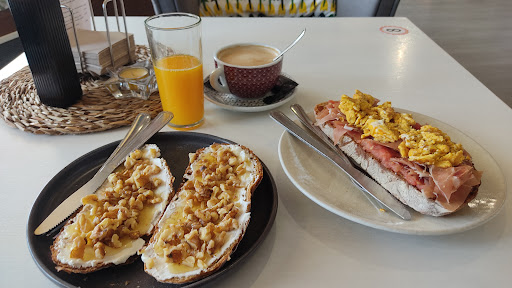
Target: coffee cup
(246, 70)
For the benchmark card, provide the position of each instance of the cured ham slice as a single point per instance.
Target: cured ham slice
(392, 145)
(340, 130)
(332, 112)
(448, 186)
(454, 183)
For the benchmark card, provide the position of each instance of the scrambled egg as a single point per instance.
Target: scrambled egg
(429, 145)
(381, 122)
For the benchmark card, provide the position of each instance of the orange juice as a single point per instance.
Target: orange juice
(180, 82)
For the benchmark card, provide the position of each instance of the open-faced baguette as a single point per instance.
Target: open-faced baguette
(394, 181)
(208, 216)
(115, 222)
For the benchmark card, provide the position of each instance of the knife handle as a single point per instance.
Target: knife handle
(312, 142)
(139, 139)
(141, 122)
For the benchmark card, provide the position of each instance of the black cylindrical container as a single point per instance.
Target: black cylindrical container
(42, 32)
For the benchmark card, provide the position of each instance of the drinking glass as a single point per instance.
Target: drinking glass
(176, 52)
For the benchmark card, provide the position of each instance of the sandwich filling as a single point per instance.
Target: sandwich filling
(424, 156)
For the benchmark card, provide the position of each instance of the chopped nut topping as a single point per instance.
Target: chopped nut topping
(108, 218)
(199, 229)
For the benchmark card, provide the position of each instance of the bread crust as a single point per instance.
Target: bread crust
(242, 226)
(60, 266)
(394, 183)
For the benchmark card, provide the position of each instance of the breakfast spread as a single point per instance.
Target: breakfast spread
(188, 235)
(208, 216)
(111, 225)
(418, 164)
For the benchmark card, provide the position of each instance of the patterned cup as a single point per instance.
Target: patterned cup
(246, 75)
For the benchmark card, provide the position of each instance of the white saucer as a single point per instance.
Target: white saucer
(234, 103)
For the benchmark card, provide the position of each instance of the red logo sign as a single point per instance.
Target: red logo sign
(394, 30)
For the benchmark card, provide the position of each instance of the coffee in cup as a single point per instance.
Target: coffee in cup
(248, 55)
(246, 70)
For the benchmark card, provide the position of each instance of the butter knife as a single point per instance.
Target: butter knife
(373, 188)
(130, 143)
(140, 123)
(306, 121)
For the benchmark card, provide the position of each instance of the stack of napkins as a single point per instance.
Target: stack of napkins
(96, 52)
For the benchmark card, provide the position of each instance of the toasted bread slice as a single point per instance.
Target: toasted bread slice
(115, 222)
(208, 216)
(391, 181)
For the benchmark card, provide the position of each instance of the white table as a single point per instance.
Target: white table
(309, 246)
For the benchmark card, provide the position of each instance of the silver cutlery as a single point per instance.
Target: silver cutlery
(139, 133)
(373, 188)
(306, 121)
(140, 123)
(291, 45)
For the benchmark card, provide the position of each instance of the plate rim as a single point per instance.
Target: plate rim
(397, 228)
(287, 98)
(212, 277)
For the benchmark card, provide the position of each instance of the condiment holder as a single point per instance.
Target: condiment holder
(136, 80)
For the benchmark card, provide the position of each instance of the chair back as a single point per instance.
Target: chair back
(344, 8)
(166, 6)
(367, 8)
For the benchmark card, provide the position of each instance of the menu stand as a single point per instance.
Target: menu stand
(81, 57)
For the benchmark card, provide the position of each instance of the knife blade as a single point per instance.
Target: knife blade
(73, 202)
(373, 188)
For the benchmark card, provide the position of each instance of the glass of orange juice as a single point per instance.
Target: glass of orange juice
(176, 52)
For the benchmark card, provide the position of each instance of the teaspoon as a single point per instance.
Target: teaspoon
(290, 46)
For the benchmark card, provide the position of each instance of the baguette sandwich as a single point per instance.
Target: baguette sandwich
(115, 222)
(207, 217)
(419, 165)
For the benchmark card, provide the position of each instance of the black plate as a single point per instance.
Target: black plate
(174, 147)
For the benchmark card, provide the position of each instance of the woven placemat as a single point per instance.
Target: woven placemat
(98, 110)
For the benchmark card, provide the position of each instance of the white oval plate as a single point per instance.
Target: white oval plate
(325, 184)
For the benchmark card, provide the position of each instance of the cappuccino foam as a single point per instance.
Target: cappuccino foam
(248, 55)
